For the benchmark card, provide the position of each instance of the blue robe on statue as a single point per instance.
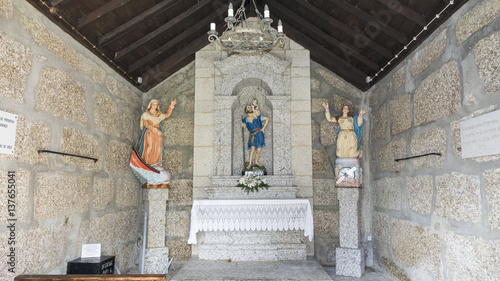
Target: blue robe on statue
(256, 135)
(358, 130)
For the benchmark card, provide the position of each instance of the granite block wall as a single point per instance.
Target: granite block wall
(435, 217)
(66, 100)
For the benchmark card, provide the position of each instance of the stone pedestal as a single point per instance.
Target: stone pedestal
(156, 254)
(350, 258)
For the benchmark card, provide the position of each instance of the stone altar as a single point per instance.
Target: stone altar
(280, 80)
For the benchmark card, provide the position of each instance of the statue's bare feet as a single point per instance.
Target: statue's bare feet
(360, 154)
(258, 164)
(249, 166)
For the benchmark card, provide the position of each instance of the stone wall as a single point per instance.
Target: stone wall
(328, 87)
(178, 144)
(436, 217)
(66, 100)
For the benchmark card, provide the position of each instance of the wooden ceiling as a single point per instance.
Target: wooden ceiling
(153, 39)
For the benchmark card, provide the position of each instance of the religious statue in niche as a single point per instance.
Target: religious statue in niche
(348, 172)
(147, 160)
(256, 124)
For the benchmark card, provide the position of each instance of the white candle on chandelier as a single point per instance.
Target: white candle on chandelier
(280, 26)
(230, 10)
(266, 12)
(212, 26)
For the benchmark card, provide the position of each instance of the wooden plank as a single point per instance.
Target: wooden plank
(203, 24)
(289, 16)
(92, 277)
(160, 30)
(173, 63)
(135, 22)
(339, 25)
(328, 59)
(54, 3)
(99, 12)
(405, 11)
(391, 32)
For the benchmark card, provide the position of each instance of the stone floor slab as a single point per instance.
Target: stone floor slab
(310, 269)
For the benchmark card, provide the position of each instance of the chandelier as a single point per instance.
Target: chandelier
(246, 37)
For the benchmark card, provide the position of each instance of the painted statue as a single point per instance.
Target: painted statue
(348, 172)
(146, 162)
(151, 142)
(255, 106)
(256, 124)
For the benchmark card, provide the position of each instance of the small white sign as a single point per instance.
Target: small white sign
(480, 136)
(8, 123)
(91, 251)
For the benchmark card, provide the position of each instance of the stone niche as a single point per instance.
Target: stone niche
(238, 80)
(224, 86)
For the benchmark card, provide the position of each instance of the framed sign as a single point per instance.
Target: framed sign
(8, 123)
(480, 136)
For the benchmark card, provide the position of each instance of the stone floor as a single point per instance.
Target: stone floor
(195, 269)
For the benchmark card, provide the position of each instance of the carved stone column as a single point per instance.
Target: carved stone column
(350, 258)
(156, 254)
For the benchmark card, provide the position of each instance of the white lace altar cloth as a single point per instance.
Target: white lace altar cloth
(251, 214)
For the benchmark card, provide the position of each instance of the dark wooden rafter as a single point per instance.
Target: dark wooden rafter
(135, 22)
(54, 3)
(334, 62)
(405, 11)
(99, 12)
(178, 39)
(352, 38)
(347, 30)
(291, 18)
(366, 17)
(160, 30)
(170, 65)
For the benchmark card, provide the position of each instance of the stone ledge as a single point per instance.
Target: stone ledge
(233, 180)
(224, 192)
(255, 252)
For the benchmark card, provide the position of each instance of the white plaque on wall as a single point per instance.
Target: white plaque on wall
(480, 136)
(91, 251)
(8, 123)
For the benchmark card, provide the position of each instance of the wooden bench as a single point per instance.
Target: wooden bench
(92, 277)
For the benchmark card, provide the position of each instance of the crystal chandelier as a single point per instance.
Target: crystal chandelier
(241, 36)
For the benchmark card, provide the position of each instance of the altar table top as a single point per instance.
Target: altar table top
(251, 214)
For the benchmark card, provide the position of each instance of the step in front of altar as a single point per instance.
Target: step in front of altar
(224, 187)
(253, 245)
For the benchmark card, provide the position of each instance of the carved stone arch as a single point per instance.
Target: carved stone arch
(251, 82)
(271, 70)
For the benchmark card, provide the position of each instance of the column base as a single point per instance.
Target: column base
(350, 262)
(155, 261)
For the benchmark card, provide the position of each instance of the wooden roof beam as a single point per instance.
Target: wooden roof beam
(203, 24)
(405, 11)
(54, 3)
(160, 30)
(135, 22)
(169, 66)
(328, 59)
(347, 30)
(290, 17)
(366, 17)
(99, 12)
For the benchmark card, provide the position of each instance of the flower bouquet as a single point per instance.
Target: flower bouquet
(252, 183)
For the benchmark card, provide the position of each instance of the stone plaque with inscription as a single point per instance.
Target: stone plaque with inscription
(480, 136)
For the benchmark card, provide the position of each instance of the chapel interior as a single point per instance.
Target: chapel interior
(78, 75)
